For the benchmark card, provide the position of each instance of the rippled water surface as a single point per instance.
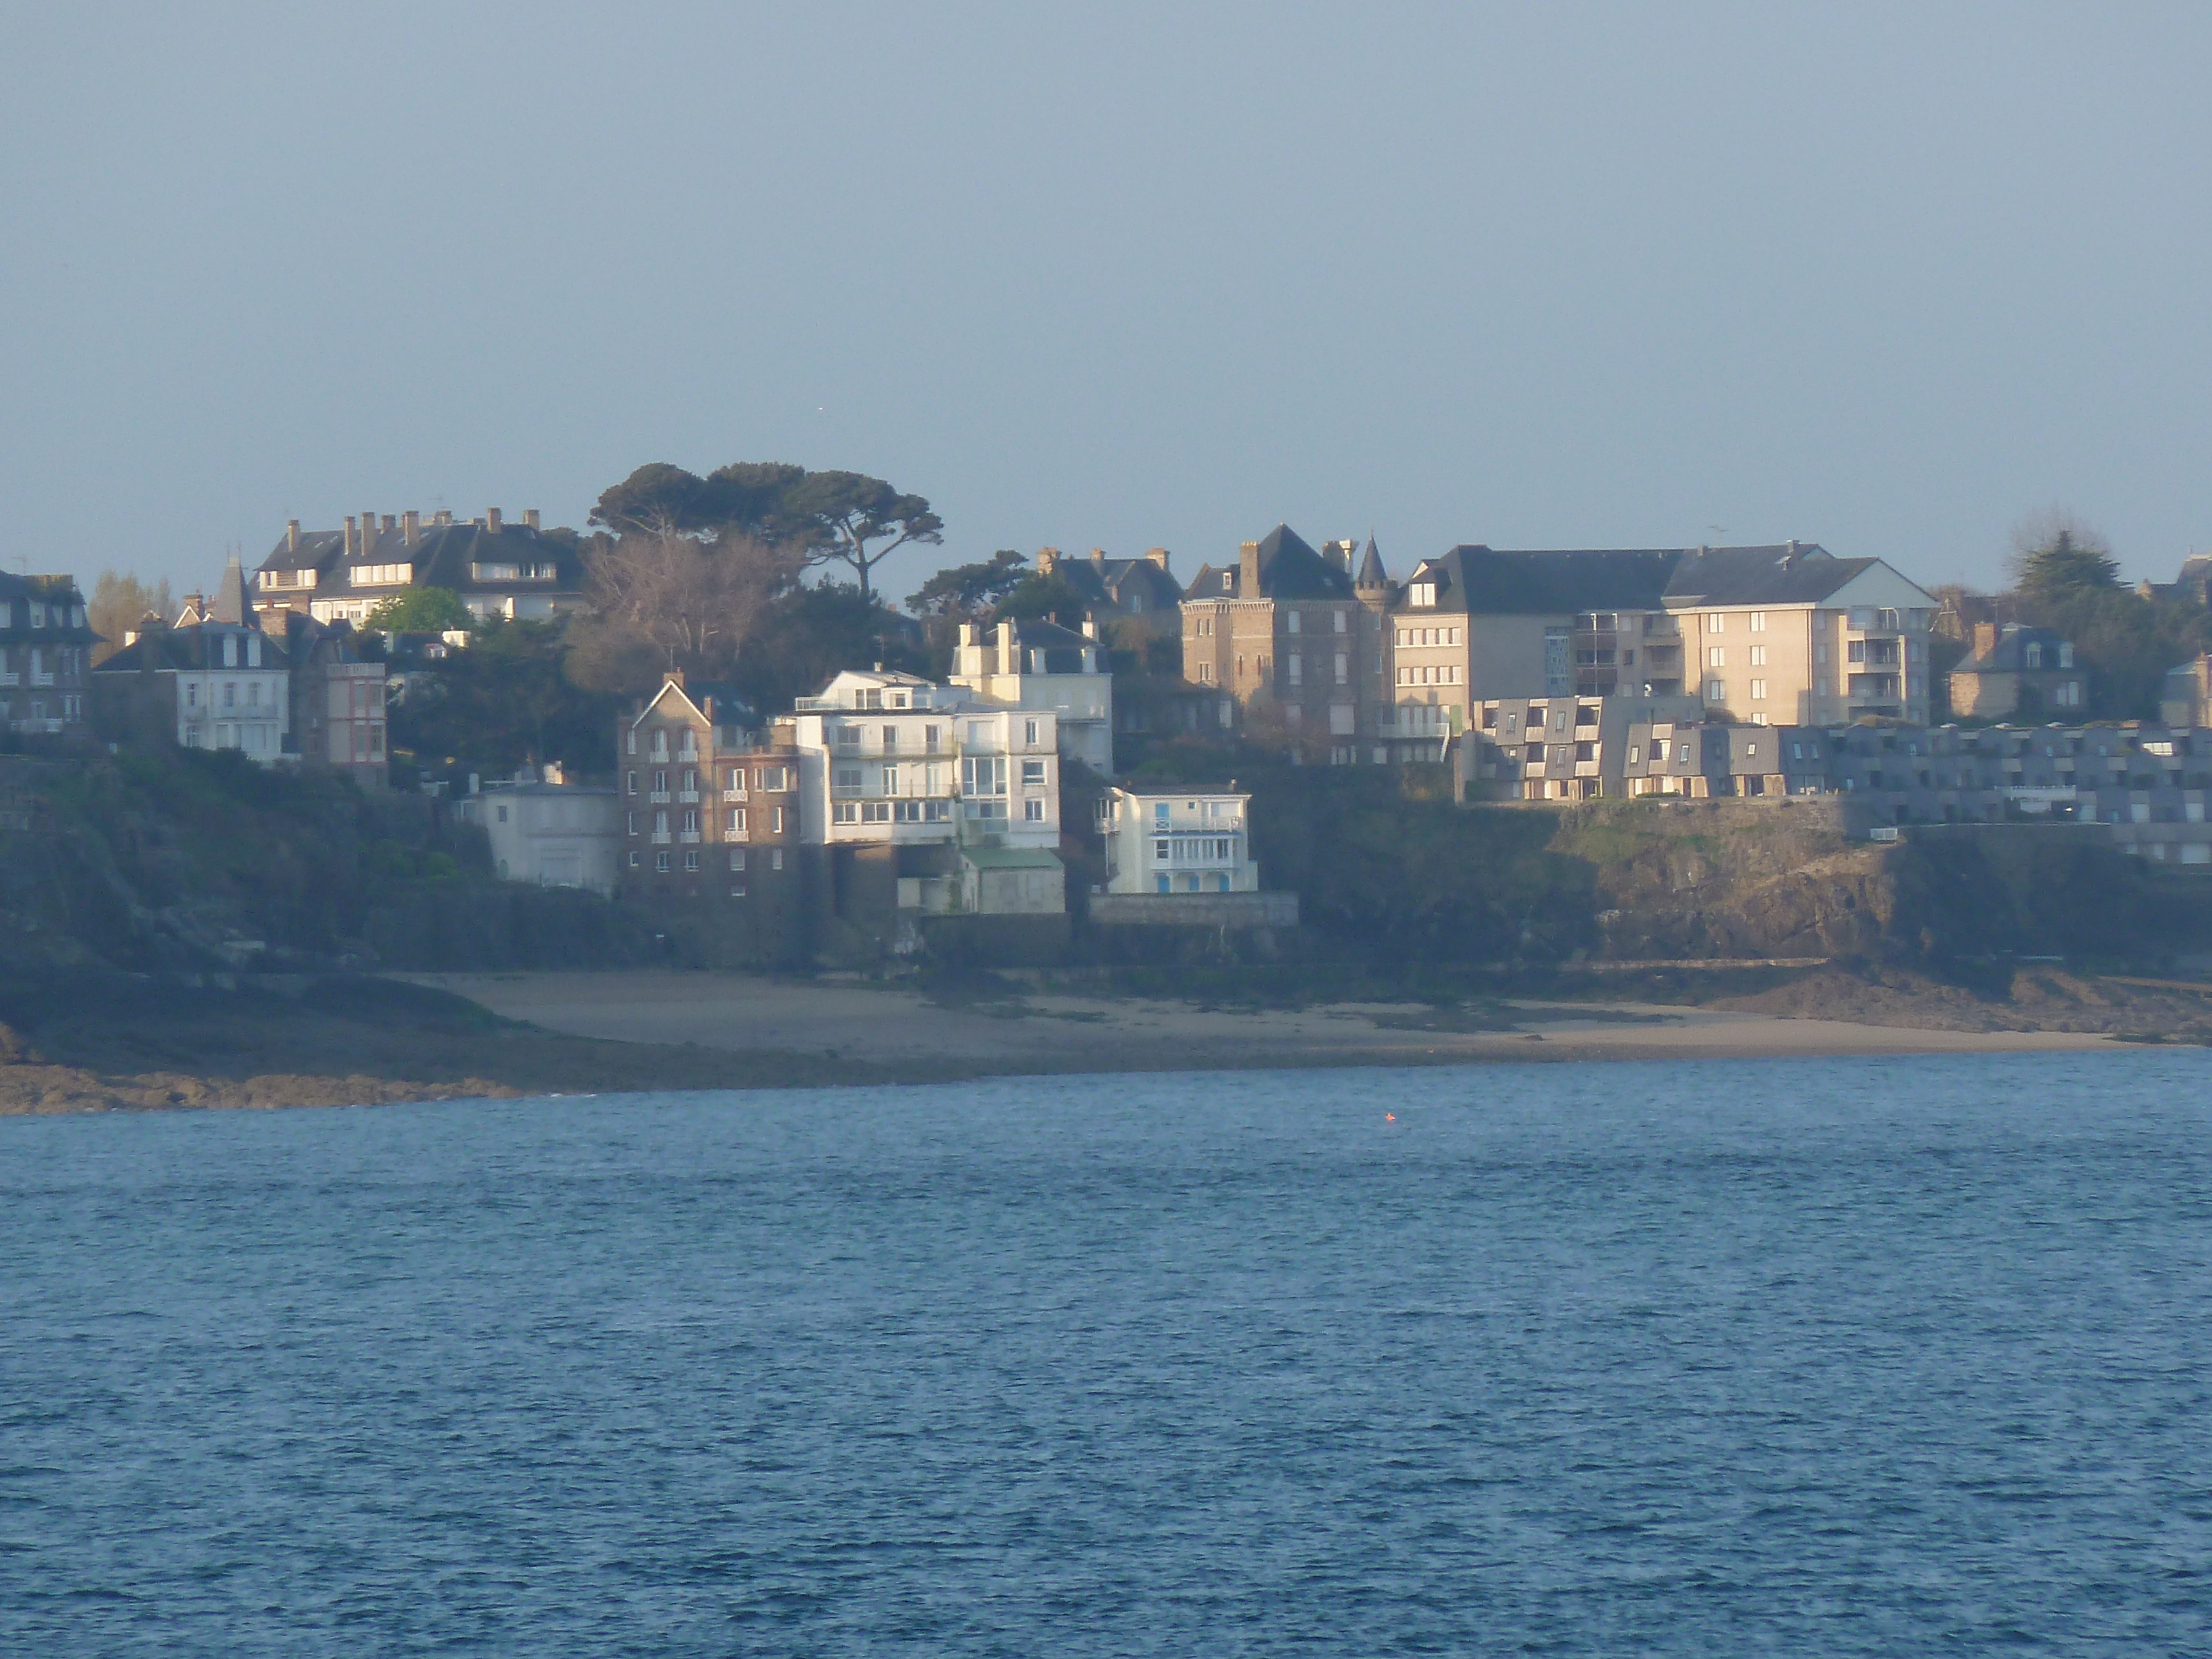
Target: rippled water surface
(1840, 1357)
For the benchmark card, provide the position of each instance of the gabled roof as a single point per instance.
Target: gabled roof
(1794, 573)
(1119, 582)
(1484, 581)
(443, 554)
(2010, 654)
(715, 703)
(1288, 570)
(196, 648)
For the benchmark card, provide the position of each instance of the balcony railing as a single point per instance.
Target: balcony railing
(689, 838)
(688, 796)
(734, 794)
(659, 797)
(660, 838)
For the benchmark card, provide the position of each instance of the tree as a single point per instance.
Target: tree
(840, 515)
(119, 602)
(503, 700)
(1040, 595)
(2057, 556)
(813, 632)
(420, 611)
(692, 605)
(968, 590)
(657, 499)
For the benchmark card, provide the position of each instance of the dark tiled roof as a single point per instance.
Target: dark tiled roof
(196, 648)
(2010, 654)
(1289, 570)
(442, 556)
(16, 593)
(1804, 575)
(1371, 574)
(1519, 582)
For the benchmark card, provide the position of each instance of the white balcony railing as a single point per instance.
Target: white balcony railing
(658, 797)
(689, 838)
(734, 794)
(688, 796)
(660, 838)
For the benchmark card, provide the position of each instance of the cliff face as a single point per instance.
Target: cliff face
(1724, 878)
(192, 862)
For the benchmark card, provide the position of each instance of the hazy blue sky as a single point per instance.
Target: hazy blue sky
(1548, 276)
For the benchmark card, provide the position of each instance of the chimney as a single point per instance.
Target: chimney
(291, 534)
(554, 772)
(389, 524)
(1248, 571)
(491, 520)
(1090, 626)
(411, 527)
(349, 536)
(1009, 658)
(530, 517)
(1158, 555)
(1048, 560)
(966, 634)
(368, 534)
(1098, 555)
(1792, 553)
(444, 516)
(672, 677)
(1985, 638)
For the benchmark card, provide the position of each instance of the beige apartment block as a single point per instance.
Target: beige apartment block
(1294, 643)
(1784, 635)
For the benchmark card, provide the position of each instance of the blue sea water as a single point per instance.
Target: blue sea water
(1837, 1357)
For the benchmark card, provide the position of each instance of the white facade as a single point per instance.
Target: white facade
(550, 833)
(1186, 843)
(887, 758)
(242, 700)
(1043, 667)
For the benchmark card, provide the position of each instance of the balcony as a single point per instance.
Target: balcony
(688, 796)
(689, 838)
(11, 679)
(734, 794)
(658, 797)
(660, 838)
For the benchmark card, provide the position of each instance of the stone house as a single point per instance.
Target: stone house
(45, 648)
(496, 567)
(1293, 640)
(2016, 672)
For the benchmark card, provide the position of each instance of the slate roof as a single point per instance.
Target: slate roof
(196, 648)
(2010, 654)
(442, 556)
(1371, 573)
(1289, 570)
(1520, 582)
(1118, 582)
(16, 593)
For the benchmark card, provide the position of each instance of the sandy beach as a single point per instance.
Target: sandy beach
(1055, 1032)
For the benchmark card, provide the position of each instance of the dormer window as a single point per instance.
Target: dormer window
(1422, 593)
(1228, 582)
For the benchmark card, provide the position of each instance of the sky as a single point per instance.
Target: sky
(1889, 278)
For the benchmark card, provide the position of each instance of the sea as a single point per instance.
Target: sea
(1857, 1356)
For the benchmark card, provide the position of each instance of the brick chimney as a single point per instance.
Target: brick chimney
(491, 520)
(1248, 571)
(1047, 560)
(349, 537)
(530, 517)
(672, 677)
(1985, 638)
(411, 527)
(367, 533)
(1158, 555)
(291, 534)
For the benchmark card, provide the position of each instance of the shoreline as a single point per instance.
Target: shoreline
(515, 1035)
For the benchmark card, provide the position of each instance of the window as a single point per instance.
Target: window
(1715, 692)
(983, 774)
(1758, 690)
(229, 695)
(660, 743)
(1715, 622)
(633, 860)
(775, 828)
(691, 778)
(847, 777)
(848, 737)
(891, 739)
(773, 780)
(1029, 732)
(503, 815)
(191, 696)
(661, 863)
(1340, 626)
(1033, 811)
(661, 783)
(691, 820)
(1717, 657)
(890, 780)
(1758, 621)
(633, 784)
(633, 822)
(1635, 753)
(1159, 852)
(845, 812)
(1343, 669)
(660, 823)
(1759, 656)
(929, 739)
(737, 823)
(691, 864)
(737, 860)
(630, 742)
(733, 781)
(1293, 623)
(1032, 771)
(776, 856)
(1422, 594)
(1297, 667)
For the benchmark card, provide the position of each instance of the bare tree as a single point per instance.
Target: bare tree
(661, 599)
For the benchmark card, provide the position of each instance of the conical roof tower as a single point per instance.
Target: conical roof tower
(1372, 577)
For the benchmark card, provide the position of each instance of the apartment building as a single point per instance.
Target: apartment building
(1767, 636)
(926, 796)
(497, 568)
(338, 714)
(1703, 760)
(1564, 748)
(709, 817)
(1293, 640)
(1042, 667)
(208, 685)
(45, 647)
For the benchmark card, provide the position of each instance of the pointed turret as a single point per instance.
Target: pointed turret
(231, 604)
(1372, 577)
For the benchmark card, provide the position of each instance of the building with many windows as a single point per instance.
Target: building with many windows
(496, 568)
(1189, 841)
(45, 644)
(207, 685)
(2018, 673)
(1043, 667)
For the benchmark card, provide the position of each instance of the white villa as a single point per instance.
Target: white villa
(1186, 843)
(549, 832)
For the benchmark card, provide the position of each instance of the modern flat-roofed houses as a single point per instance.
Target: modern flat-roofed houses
(547, 831)
(496, 568)
(1042, 667)
(45, 646)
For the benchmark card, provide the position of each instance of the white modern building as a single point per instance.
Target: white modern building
(962, 796)
(549, 832)
(1184, 842)
(1042, 667)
